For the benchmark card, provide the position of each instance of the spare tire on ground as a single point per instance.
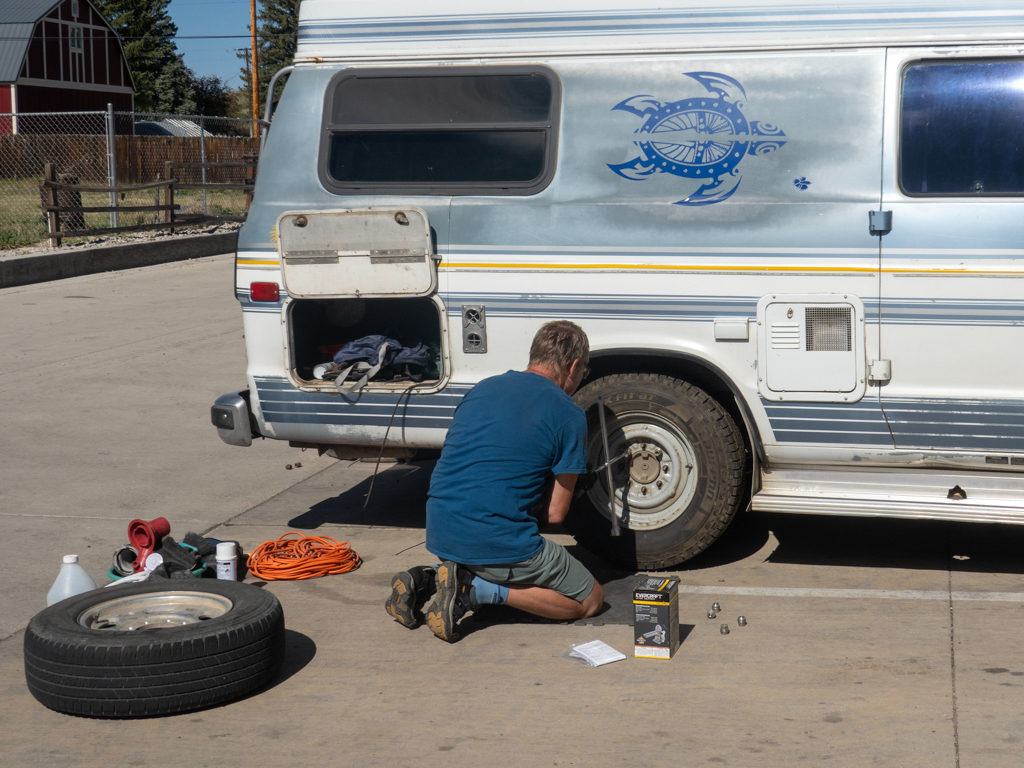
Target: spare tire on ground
(154, 648)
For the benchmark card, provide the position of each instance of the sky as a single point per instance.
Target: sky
(195, 18)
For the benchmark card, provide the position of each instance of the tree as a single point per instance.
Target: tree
(147, 34)
(174, 90)
(211, 95)
(277, 30)
(239, 103)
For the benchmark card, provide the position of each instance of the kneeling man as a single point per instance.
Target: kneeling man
(508, 468)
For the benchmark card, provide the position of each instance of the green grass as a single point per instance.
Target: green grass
(21, 234)
(22, 222)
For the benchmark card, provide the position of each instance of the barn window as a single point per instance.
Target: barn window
(76, 38)
(74, 8)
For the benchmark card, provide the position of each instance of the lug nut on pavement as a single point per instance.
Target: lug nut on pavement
(711, 613)
(716, 607)
(724, 629)
(742, 621)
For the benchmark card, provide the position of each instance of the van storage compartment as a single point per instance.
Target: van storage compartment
(357, 252)
(320, 327)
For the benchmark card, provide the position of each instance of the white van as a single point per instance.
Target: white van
(793, 231)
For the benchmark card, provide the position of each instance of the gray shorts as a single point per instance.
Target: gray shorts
(553, 567)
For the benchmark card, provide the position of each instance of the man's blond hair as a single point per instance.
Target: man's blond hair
(557, 344)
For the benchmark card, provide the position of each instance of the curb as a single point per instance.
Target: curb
(59, 265)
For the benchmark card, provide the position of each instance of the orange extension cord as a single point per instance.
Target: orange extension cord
(306, 557)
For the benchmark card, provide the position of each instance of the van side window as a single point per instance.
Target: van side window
(466, 131)
(962, 129)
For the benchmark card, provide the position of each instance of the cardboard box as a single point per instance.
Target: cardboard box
(656, 617)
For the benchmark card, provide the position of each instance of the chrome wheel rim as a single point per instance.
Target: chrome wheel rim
(146, 613)
(655, 483)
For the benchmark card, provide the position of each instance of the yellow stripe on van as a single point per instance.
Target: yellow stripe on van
(911, 270)
(693, 268)
(726, 268)
(654, 267)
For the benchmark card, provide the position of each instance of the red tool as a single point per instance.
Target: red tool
(145, 537)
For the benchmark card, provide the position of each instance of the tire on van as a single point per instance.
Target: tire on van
(677, 474)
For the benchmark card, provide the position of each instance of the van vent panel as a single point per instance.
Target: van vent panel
(786, 336)
(474, 329)
(829, 329)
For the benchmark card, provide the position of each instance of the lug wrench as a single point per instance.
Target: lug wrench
(616, 531)
(620, 457)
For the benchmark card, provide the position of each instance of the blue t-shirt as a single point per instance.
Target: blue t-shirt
(510, 434)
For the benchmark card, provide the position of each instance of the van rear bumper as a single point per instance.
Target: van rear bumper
(231, 416)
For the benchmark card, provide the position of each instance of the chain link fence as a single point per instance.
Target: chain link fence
(117, 148)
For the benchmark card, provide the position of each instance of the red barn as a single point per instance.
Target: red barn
(59, 56)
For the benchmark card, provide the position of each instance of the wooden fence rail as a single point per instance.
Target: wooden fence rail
(58, 197)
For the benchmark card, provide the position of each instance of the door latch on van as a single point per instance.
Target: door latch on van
(879, 222)
(879, 371)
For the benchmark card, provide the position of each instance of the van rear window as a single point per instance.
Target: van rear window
(462, 132)
(962, 129)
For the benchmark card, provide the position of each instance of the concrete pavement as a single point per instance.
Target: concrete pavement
(870, 642)
(106, 383)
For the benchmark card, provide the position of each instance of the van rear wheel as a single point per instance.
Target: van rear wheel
(677, 473)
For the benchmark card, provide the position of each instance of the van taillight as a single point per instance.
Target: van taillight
(264, 292)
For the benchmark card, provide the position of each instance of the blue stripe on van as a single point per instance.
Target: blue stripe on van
(569, 306)
(988, 312)
(698, 20)
(859, 423)
(898, 311)
(707, 252)
(995, 425)
(869, 255)
(762, 19)
(952, 423)
(282, 403)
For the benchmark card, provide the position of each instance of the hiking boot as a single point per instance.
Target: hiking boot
(452, 601)
(409, 591)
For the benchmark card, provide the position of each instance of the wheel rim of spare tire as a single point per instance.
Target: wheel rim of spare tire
(147, 613)
(655, 484)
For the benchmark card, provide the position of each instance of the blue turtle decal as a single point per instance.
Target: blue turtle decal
(702, 138)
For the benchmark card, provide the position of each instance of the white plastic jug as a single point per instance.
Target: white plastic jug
(72, 580)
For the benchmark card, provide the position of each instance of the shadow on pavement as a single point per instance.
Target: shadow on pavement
(869, 542)
(400, 492)
(299, 651)
(399, 499)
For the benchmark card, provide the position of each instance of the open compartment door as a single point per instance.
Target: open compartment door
(359, 252)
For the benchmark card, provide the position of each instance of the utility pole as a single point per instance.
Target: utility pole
(255, 79)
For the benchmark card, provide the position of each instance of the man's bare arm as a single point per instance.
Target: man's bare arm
(561, 497)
